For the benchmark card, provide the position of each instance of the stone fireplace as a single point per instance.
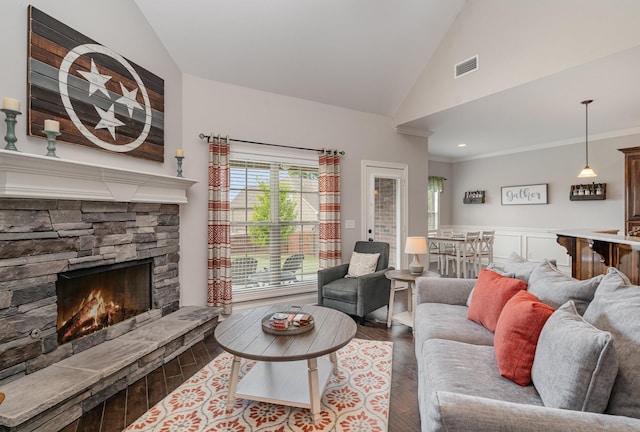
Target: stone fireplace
(63, 226)
(45, 244)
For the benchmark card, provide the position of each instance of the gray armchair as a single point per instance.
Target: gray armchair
(360, 295)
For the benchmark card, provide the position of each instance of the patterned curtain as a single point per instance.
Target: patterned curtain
(329, 188)
(219, 262)
(436, 184)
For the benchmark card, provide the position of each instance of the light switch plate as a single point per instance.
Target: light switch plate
(349, 223)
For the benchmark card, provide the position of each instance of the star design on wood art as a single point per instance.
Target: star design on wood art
(108, 120)
(128, 99)
(96, 80)
(109, 98)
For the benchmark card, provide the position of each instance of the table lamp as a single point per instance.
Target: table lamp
(416, 246)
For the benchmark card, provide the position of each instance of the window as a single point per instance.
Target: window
(274, 224)
(434, 187)
(433, 210)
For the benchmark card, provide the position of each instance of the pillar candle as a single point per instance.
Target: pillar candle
(11, 104)
(52, 126)
(180, 153)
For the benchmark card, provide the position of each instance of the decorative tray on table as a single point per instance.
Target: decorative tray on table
(287, 323)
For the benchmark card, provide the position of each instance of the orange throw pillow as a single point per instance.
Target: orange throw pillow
(517, 334)
(490, 293)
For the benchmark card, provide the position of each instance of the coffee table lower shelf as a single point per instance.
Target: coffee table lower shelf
(281, 383)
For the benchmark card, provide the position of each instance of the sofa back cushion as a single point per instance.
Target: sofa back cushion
(517, 333)
(575, 363)
(555, 288)
(520, 267)
(490, 294)
(618, 311)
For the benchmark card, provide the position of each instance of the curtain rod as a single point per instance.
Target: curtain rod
(208, 137)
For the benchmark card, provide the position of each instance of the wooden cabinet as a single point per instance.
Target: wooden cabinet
(632, 190)
(592, 256)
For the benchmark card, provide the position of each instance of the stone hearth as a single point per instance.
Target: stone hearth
(51, 398)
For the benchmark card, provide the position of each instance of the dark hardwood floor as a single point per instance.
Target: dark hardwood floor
(126, 406)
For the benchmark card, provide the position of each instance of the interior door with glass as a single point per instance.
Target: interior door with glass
(385, 205)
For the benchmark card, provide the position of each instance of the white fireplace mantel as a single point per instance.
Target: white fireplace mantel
(24, 175)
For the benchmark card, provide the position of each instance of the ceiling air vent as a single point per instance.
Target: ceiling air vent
(466, 67)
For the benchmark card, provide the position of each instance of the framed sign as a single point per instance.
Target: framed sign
(101, 99)
(523, 195)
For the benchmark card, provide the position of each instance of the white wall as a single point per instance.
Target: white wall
(519, 41)
(558, 167)
(117, 24)
(252, 115)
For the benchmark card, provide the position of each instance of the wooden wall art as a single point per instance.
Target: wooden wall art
(101, 99)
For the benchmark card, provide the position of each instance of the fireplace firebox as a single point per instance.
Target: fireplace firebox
(92, 299)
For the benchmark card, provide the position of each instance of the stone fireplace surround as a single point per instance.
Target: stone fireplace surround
(58, 216)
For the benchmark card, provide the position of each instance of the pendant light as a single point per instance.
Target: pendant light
(587, 171)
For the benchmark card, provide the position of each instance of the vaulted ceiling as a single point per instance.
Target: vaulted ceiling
(367, 54)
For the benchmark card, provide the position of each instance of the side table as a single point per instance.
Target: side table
(396, 276)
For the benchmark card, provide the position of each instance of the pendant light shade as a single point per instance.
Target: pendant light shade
(586, 171)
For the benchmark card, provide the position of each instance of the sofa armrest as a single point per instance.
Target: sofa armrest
(470, 413)
(443, 290)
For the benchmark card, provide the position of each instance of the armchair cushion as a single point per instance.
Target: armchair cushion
(362, 264)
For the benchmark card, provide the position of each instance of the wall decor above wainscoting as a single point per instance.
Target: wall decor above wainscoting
(588, 192)
(524, 195)
(101, 99)
(474, 197)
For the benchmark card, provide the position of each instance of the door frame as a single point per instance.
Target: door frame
(403, 174)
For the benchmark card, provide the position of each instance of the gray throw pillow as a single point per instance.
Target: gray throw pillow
(618, 311)
(555, 288)
(575, 364)
(520, 267)
(612, 280)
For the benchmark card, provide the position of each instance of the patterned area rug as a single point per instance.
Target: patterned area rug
(356, 399)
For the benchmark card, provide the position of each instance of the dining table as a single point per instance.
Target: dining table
(457, 240)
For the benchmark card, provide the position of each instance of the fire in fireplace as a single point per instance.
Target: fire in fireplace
(92, 299)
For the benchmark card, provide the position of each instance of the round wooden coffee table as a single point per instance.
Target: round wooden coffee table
(283, 359)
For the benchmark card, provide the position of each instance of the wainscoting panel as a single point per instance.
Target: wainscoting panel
(530, 243)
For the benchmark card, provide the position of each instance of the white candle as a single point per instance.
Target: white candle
(10, 104)
(51, 126)
(180, 153)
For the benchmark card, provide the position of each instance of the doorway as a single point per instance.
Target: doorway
(385, 206)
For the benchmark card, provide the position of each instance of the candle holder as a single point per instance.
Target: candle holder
(51, 139)
(10, 137)
(179, 159)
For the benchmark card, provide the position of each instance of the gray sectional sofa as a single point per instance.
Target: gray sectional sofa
(461, 388)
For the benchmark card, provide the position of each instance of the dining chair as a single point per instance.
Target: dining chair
(485, 248)
(468, 254)
(439, 248)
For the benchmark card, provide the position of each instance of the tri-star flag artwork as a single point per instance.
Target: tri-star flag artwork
(101, 99)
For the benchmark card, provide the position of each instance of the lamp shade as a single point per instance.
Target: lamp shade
(416, 245)
(587, 172)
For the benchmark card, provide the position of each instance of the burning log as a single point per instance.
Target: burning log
(80, 319)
